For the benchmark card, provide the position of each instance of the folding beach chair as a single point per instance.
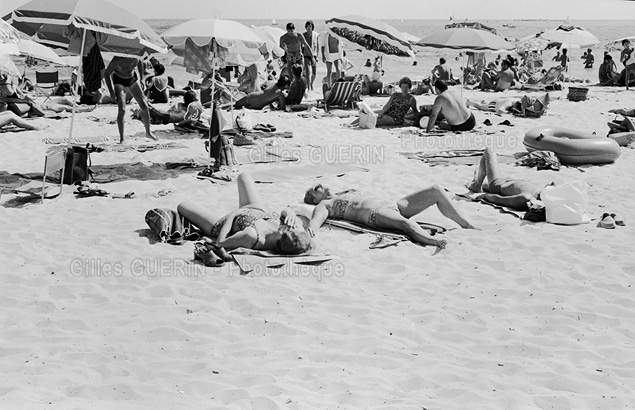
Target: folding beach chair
(342, 94)
(46, 80)
(554, 75)
(55, 160)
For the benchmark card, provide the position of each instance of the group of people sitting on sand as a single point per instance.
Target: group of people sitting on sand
(292, 231)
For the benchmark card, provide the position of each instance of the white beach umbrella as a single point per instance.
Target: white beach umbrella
(570, 36)
(9, 39)
(41, 52)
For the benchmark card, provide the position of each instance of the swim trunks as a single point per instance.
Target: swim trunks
(466, 126)
(381, 206)
(126, 82)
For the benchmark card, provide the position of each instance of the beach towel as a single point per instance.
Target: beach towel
(288, 172)
(141, 172)
(472, 196)
(359, 228)
(454, 157)
(250, 260)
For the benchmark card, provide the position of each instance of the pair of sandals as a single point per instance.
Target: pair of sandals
(211, 255)
(264, 127)
(610, 221)
(506, 122)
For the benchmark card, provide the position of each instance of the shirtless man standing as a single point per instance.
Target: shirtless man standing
(453, 108)
(512, 193)
(122, 71)
(294, 44)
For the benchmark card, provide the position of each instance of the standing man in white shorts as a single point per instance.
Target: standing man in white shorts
(331, 55)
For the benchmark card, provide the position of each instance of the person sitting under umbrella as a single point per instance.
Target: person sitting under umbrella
(296, 89)
(607, 72)
(157, 85)
(15, 100)
(260, 99)
(441, 72)
(120, 76)
(398, 105)
(500, 81)
(458, 116)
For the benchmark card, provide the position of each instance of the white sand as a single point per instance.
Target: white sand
(516, 316)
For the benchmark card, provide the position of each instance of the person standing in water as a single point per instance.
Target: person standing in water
(120, 76)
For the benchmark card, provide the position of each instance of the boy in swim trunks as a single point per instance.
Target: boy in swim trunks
(383, 214)
(310, 60)
(453, 108)
(122, 71)
(512, 193)
(295, 45)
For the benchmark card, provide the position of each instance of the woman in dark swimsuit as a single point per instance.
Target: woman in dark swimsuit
(251, 226)
(122, 70)
(395, 110)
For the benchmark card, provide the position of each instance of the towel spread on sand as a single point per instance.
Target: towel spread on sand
(253, 260)
(454, 157)
(288, 172)
(359, 228)
(472, 196)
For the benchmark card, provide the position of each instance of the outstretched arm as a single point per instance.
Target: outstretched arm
(320, 213)
(436, 109)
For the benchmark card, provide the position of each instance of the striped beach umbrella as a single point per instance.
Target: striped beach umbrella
(60, 23)
(371, 35)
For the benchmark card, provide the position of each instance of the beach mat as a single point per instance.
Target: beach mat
(471, 196)
(249, 260)
(432, 229)
(454, 157)
(288, 172)
(253, 154)
(118, 172)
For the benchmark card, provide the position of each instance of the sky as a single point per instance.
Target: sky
(382, 9)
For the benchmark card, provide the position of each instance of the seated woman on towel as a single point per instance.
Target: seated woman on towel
(9, 118)
(512, 193)
(157, 85)
(251, 225)
(16, 101)
(260, 99)
(378, 213)
(398, 105)
(188, 111)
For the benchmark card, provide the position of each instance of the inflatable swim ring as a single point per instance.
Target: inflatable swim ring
(623, 138)
(571, 146)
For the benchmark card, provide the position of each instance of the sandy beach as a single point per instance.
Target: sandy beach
(96, 314)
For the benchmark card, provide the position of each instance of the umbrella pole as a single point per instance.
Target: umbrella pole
(79, 78)
(359, 70)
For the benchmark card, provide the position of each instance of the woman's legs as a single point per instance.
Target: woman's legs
(120, 93)
(413, 204)
(200, 216)
(385, 120)
(137, 93)
(390, 219)
(487, 168)
(8, 117)
(247, 194)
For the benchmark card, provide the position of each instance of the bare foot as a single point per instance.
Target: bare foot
(442, 244)
(151, 136)
(473, 186)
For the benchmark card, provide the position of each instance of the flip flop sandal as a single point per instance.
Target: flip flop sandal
(382, 241)
(487, 122)
(507, 123)
(607, 222)
(206, 173)
(205, 255)
(618, 220)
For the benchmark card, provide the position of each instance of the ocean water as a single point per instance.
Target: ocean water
(605, 30)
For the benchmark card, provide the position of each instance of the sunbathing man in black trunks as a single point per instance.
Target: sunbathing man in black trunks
(122, 70)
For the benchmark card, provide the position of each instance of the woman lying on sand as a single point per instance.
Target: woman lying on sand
(251, 226)
(376, 212)
(512, 193)
(63, 104)
(260, 99)
(9, 118)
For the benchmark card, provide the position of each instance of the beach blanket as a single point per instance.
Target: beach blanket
(454, 157)
(250, 260)
(288, 172)
(472, 196)
(384, 238)
(118, 172)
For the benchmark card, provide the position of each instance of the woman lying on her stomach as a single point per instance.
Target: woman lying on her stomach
(260, 99)
(251, 225)
(379, 213)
